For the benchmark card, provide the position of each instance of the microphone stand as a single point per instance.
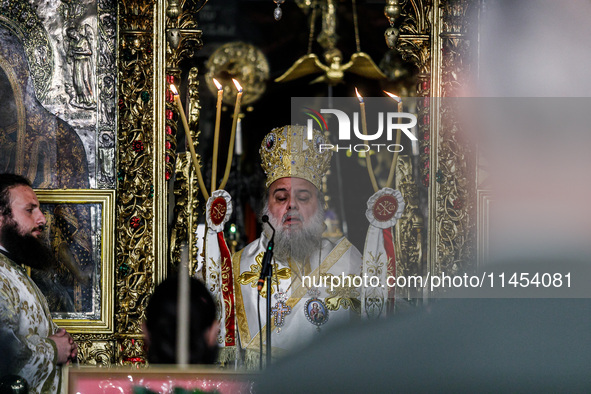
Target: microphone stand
(267, 274)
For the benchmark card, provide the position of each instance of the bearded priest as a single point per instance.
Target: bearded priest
(40, 347)
(310, 289)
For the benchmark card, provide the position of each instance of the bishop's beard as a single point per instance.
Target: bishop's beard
(25, 249)
(296, 244)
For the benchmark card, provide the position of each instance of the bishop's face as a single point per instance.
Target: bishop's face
(292, 203)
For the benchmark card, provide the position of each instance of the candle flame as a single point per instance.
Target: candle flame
(395, 97)
(358, 95)
(237, 85)
(173, 89)
(217, 84)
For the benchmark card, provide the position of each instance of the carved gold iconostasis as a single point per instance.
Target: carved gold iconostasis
(99, 116)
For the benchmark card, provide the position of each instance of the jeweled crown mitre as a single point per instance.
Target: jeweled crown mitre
(287, 152)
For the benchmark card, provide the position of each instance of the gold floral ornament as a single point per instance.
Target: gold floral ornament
(287, 152)
(251, 277)
(343, 296)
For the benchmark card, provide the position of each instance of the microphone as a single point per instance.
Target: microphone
(267, 257)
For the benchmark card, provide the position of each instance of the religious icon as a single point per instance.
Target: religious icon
(69, 287)
(316, 312)
(34, 142)
(45, 149)
(79, 232)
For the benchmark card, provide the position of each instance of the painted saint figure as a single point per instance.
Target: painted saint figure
(80, 55)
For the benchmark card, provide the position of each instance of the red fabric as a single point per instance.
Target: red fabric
(228, 291)
(389, 246)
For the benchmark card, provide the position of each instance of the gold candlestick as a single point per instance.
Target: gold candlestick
(233, 134)
(177, 101)
(372, 176)
(216, 135)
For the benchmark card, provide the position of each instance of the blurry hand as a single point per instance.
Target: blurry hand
(67, 349)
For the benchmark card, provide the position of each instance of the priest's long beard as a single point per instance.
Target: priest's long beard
(296, 244)
(25, 249)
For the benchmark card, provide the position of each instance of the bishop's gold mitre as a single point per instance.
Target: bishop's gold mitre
(286, 152)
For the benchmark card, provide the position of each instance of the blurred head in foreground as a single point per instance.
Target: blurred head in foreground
(532, 125)
(160, 328)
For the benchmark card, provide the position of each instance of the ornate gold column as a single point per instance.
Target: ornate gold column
(453, 170)
(416, 45)
(153, 38)
(183, 41)
(435, 36)
(141, 184)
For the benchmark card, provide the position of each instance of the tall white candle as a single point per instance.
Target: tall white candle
(233, 133)
(238, 148)
(216, 135)
(398, 137)
(183, 309)
(177, 101)
(372, 176)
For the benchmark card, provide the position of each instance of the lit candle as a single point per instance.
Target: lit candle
(177, 101)
(398, 137)
(398, 100)
(233, 134)
(216, 135)
(372, 176)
